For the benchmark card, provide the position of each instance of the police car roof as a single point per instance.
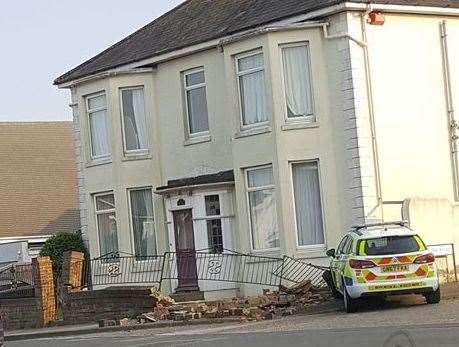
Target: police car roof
(370, 232)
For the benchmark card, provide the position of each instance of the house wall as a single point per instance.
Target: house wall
(410, 114)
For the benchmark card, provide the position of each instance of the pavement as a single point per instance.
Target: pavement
(399, 323)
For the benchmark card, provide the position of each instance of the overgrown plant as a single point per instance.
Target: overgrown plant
(59, 243)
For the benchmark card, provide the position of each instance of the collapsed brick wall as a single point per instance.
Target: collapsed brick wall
(19, 313)
(92, 306)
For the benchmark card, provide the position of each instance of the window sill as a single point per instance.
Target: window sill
(98, 162)
(299, 125)
(136, 156)
(196, 140)
(252, 132)
(311, 252)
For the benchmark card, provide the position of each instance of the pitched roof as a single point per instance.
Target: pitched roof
(38, 187)
(197, 21)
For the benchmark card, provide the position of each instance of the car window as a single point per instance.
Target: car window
(340, 248)
(348, 246)
(392, 245)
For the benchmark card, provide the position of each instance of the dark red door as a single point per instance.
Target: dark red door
(186, 252)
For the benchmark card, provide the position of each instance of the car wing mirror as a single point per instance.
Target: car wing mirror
(331, 253)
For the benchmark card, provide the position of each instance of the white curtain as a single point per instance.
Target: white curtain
(108, 237)
(98, 129)
(138, 105)
(135, 128)
(197, 110)
(297, 81)
(308, 204)
(252, 87)
(143, 222)
(265, 233)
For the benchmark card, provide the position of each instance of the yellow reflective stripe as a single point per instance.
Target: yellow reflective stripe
(422, 246)
(362, 247)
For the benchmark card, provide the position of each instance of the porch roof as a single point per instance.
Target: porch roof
(221, 177)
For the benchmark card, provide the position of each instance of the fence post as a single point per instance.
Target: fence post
(282, 272)
(72, 271)
(44, 290)
(162, 270)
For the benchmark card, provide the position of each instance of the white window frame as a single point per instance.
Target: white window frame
(239, 74)
(318, 247)
(88, 113)
(101, 212)
(186, 89)
(133, 151)
(310, 118)
(131, 226)
(248, 189)
(220, 216)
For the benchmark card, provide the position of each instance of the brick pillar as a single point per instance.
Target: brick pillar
(72, 271)
(44, 289)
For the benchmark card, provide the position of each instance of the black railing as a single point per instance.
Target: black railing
(116, 269)
(16, 280)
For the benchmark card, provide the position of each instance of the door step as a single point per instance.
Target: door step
(195, 295)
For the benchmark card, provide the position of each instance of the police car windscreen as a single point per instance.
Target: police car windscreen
(391, 245)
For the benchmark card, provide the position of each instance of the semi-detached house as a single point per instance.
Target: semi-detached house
(269, 127)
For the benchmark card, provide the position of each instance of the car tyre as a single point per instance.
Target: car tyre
(350, 304)
(433, 297)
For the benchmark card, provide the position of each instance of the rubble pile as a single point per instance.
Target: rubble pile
(269, 305)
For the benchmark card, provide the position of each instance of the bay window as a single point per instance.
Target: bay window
(308, 204)
(252, 91)
(196, 102)
(297, 82)
(142, 222)
(106, 223)
(134, 120)
(96, 107)
(262, 208)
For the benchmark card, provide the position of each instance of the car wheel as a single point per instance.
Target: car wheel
(433, 297)
(350, 304)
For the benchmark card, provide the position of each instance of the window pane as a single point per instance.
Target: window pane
(143, 225)
(263, 218)
(98, 130)
(197, 110)
(105, 202)
(260, 177)
(135, 128)
(97, 102)
(215, 236)
(297, 81)
(212, 205)
(108, 239)
(252, 88)
(195, 78)
(252, 62)
(308, 204)
(391, 245)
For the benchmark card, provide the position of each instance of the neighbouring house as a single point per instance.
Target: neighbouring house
(38, 186)
(269, 127)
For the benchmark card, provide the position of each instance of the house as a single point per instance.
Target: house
(38, 186)
(269, 127)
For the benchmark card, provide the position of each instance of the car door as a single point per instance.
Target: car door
(336, 265)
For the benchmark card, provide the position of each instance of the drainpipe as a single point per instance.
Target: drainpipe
(452, 123)
(369, 86)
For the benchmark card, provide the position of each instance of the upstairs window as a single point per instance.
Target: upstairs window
(297, 82)
(97, 112)
(252, 91)
(196, 102)
(134, 121)
(262, 208)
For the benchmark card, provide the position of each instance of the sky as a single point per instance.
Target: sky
(42, 39)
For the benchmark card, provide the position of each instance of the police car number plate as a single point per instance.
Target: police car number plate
(395, 268)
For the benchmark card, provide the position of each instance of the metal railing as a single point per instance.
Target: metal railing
(16, 280)
(230, 266)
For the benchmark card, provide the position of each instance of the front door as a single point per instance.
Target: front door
(186, 253)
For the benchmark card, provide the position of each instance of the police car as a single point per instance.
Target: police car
(381, 260)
